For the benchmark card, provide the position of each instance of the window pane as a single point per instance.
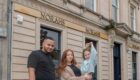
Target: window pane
(132, 22)
(89, 4)
(132, 11)
(133, 18)
(114, 2)
(56, 35)
(114, 13)
(114, 10)
(93, 5)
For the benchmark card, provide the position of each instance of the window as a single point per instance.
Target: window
(134, 65)
(91, 4)
(56, 35)
(95, 45)
(133, 17)
(115, 8)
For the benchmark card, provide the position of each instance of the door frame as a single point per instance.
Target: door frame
(54, 26)
(123, 54)
(94, 38)
(119, 58)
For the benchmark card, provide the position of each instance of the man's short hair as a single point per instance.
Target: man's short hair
(50, 38)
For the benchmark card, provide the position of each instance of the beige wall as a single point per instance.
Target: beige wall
(105, 8)
(75, 42)
(23, 43)
(124, 11)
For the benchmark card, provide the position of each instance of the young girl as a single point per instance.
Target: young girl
(68, 68)
(90, 56)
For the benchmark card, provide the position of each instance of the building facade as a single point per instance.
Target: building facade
(112, 25)
(5, 40)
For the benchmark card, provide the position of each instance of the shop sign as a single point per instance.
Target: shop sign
(97, 33)
(51, 18)
(91, 31)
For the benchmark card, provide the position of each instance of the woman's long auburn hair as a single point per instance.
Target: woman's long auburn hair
(63, 62)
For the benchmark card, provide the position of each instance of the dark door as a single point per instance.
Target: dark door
(134, 65)
(117, 61)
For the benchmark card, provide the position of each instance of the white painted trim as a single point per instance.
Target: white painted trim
(118, 10)
(95, 5)
(123, 57)
(134, 26)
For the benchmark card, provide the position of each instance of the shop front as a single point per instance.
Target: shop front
(31, 23)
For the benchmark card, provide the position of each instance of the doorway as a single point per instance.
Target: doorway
(117, 61)
(87, 40)
(134, 65)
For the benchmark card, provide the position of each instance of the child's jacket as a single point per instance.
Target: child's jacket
(88, 66)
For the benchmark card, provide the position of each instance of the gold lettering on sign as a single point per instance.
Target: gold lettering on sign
(51, 18)
(97, 33)
(90, 31)
(135, 47)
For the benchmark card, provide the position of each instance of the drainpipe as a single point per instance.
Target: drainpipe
(0, 59)
(9, 37)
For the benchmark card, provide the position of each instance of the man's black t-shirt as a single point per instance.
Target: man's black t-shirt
(43, 64)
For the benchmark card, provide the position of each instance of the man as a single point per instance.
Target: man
(40, 63)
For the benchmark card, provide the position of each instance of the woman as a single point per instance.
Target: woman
(68, 68)
(90, 59)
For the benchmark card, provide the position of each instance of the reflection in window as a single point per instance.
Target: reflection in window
(56, 36)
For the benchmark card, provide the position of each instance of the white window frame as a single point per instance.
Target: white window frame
(93, 5)
(117, 7)
(133, 16)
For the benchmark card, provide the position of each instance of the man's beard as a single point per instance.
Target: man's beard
(47, 50)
